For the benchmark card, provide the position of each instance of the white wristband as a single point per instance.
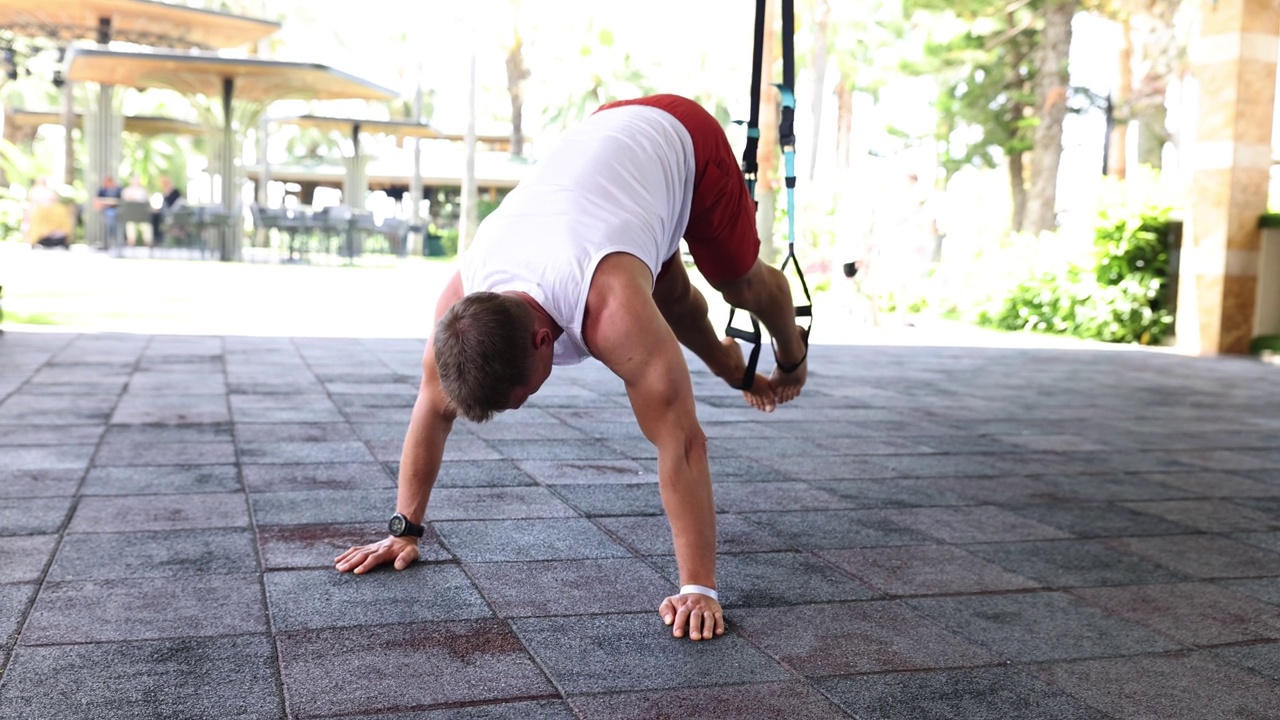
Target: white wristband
(699, 589)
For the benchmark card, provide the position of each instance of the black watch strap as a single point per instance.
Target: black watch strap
(401, 526)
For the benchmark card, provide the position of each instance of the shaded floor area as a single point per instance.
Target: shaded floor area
(926, 533)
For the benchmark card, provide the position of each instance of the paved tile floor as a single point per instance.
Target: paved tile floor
(927, 533)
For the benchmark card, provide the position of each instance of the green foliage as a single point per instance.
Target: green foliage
(981, 53)
(1121, 297)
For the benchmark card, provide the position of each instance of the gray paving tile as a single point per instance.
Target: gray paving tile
(296, 432)
(157, 479)
(147, 434)
(893, 492)
(496, 503)
(33, 516)
(768, 496)
(23, 557)
(46, 457)
(1217, 485)
(165, 453)
(925, 570)
(1196, 614)
(600, 472)
(981, 694)
(1264, 589)
(1211, 515)
(568, 449)
(125, 513)
(145, 407)
(1203, 556)
(40, 435)
(536, 710)
(1100, 520)
(820, 466)
(141, 609)
(481, 473)
(853, 638)
(286, 547)
(460, 448)
(305, 452)
(836, 528)
(580, 654)
(1111, 487)
(475, 541)
(1167, 687)
(14, 601)
(1074, 563)
(154, 554)
(1262, 659)
(156, 382)
(651, 534)
(469, 662)
(25, 408)
(324, 506)
(315, 476)
(184, 678)
(972, 524)
(769, 579)
(596, 500)
(289, 407)
(760, 701)
(587, 587)
(1039, 626)
(325, 598)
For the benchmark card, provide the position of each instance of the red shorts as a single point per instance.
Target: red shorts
(721, 233)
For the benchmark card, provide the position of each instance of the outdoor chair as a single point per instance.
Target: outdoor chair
(136, 215)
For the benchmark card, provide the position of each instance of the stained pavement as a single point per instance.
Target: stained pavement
(927, 533)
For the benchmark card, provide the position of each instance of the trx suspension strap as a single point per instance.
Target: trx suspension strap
(750, 167)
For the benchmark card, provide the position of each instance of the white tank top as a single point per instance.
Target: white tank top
(619, 182)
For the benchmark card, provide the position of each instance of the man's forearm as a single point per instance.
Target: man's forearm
(420, 461)
(685, 482)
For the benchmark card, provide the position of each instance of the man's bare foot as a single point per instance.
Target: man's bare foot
(761, 394)
(787, 385)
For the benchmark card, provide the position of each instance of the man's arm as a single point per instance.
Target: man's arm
(625, 331)
(424, 442)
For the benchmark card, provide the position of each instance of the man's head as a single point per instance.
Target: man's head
(491, 354)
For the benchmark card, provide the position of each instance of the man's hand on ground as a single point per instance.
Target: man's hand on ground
(363, 558)
(695, 611)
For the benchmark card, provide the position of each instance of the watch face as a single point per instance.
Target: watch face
(397, 525)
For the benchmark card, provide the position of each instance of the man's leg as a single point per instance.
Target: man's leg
(765, 293)
(685, 310)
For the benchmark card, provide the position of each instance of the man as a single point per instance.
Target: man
(107, 201)
(168, 201)
(582, 260)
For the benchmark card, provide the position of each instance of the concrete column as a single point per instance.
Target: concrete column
(1234, 66)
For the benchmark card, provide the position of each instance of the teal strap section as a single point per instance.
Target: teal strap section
(788, 97)
(790, 157)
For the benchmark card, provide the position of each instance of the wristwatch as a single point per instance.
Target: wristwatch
(401, 526)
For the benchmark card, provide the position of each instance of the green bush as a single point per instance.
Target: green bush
(1121, 298)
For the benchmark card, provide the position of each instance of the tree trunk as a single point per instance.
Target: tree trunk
(68, 127)
(1121, 105)
(517, 73)
(1152, 135)
(844, 122)
(767, 154)
(1051, 108)
(822, 20)
(1018, 189)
